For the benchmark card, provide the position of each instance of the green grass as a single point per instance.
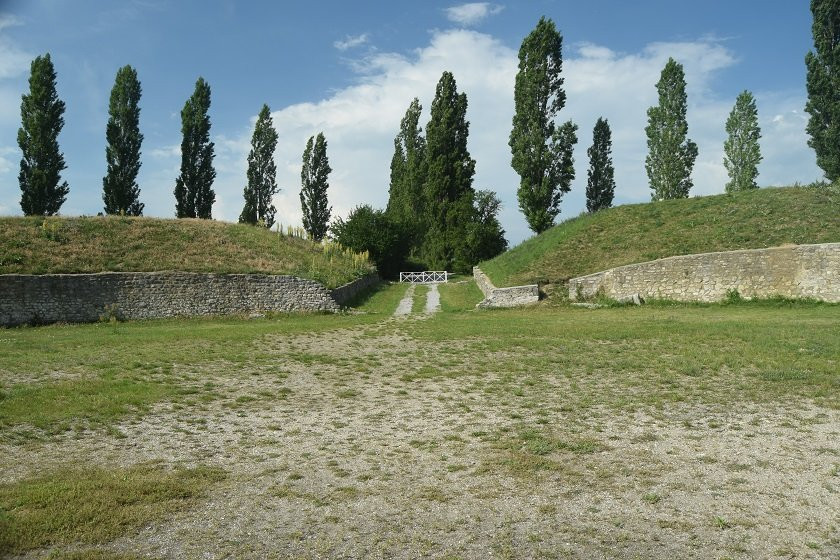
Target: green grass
(418, 304)
(457, 295)
(122, 244)
(641, 232)
(92, 505)
(383, 300)
(121, 370)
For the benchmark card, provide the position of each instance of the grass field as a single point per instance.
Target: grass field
(124, 244)
(665, 431)
(642, 232)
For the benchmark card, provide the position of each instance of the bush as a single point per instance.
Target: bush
(374, 231)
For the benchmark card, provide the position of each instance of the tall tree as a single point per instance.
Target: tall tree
(600, 184)
(408, 173)
(671, 154)
(41, 114)
(120, 191)
(487, 238)
(448, 191)
(823, 83)
(742, 153)
(262, 172)
(194, 195)
(314, 184)
(542, 152)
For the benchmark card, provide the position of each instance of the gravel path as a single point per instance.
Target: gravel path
(404, 308)
(433, 299)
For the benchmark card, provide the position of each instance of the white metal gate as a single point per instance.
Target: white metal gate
(425, 277)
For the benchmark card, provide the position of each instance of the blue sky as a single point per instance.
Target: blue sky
(350, 69)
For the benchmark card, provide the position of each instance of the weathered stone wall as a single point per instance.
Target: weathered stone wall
(344, 294)
(78, 298)
(795, 271)
(504, 297)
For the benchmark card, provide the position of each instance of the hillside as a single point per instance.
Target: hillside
(642, 232)
(97, 244)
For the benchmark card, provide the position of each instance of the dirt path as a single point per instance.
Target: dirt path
(404, 307)
(433, 299)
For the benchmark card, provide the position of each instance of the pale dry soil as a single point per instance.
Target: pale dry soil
(360, 444)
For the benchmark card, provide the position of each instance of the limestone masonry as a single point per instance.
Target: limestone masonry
(504, 297)
(795, 271)
(79, 298)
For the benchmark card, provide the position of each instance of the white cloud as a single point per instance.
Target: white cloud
(8, 155)
(360, 123)
(9, 20)
(351, 41)
(472, 13)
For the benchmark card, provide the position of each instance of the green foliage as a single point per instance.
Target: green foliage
(742, 153)
(262, 172)
(486, 237)
(671, 154)
(542, 153)
(634, 233)
(194, 195)
(41, 114)
(823, 84)
(408, 173)
(120, 191)
(376, 232)
(448, 191)
(314, 184)
(600, 186)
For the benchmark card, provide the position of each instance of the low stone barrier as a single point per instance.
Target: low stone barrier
(344, 294)
(80, 298)
(794, 271)
(504, 297)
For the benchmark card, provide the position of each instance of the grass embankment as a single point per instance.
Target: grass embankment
(123, 244)
(642, 232)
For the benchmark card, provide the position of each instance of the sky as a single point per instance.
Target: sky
(350, 70)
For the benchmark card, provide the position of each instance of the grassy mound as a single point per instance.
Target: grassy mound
(643, 232)
(98, 244)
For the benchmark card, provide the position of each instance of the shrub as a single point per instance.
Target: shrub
(367, 229)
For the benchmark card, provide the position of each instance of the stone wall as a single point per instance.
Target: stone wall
(795, 271)
(345, 294)
(79, 298)
(504, 297)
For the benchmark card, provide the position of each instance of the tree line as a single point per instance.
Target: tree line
(434, 216)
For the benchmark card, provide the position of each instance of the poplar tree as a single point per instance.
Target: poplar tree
(41, 114)
(671, 154)
(262, 173)
(448, 191)
(120, 191)
(314, 184)
(823, 84)
(542, 152)
(600, 185)
(194, 195)
(408, 173)
(742, 153)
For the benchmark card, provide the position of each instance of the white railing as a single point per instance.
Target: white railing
(425, 277)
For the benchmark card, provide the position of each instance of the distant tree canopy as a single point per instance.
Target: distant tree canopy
(42, 118)
(314, 177)
(742, 154)
(377, 232)
(194, 194)
(823, 84)
(542, 152)
(261, 174)
(671, 154)
(120, 191)
(600, 185)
